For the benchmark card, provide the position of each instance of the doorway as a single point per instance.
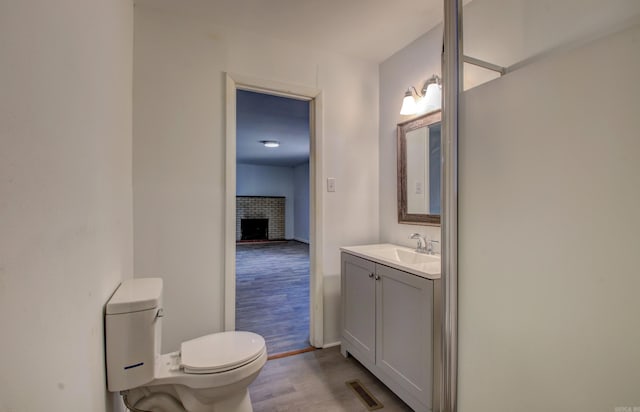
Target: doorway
(272, 219)
(289, 241)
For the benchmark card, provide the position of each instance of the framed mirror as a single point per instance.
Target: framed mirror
(419, 170)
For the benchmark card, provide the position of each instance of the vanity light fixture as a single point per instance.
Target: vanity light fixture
(270, 143)
(428, 99)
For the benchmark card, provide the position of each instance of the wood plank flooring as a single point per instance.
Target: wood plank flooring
(315, 382)
(272, 293)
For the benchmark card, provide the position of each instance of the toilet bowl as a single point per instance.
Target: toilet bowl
(209, 374)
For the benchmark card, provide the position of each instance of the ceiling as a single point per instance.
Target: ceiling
(369, 29)
(266, 117)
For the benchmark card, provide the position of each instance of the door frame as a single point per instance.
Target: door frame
(236, 82)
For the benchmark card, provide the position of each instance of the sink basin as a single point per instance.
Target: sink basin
(399, 257)
(407, 256)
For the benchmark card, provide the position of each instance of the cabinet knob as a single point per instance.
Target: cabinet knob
(370, 275)
(377, 277)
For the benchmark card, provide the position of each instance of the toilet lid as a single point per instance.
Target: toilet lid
(220, 352)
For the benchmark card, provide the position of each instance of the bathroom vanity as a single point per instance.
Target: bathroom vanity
(390, 313)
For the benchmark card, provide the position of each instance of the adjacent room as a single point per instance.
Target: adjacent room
(272, 219)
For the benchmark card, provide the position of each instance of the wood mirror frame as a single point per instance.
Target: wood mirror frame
(403, 128)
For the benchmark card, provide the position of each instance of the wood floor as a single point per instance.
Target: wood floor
(315, 382)
(272, 293)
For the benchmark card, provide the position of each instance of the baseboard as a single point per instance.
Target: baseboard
(301, 240)
(291, 353)
(331, 345)
(260, 242)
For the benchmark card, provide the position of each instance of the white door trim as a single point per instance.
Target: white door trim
(314, 96)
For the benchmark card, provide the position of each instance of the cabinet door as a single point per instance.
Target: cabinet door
(358, 303)
(404, 334)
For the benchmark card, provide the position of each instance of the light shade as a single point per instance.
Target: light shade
(432, 99)
(409, 105)
(270, 143)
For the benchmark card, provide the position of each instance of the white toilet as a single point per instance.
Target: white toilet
(209, 374)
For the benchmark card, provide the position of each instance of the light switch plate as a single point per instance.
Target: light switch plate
(331, 184)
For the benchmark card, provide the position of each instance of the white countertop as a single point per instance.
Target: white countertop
(399, 257)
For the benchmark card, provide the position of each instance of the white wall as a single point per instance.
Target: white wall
(301, 202)
(179, 157)
(549, 200)
(508, 32)
(65, 196)
(410, 66)
(258, 180)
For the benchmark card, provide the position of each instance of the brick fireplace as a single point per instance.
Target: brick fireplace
(254, 210)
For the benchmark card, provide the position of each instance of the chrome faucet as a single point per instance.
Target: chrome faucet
(422, 243)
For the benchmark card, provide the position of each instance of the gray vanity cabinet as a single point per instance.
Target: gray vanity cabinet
(387, 324)
(359, 321)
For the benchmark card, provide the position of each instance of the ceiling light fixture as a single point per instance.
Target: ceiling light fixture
(429, 99)
(270, 143)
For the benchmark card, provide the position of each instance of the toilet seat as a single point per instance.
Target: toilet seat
(220, 352)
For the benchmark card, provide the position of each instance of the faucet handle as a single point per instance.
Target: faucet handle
(430, 243)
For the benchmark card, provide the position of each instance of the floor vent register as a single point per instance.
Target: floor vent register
(364, 395)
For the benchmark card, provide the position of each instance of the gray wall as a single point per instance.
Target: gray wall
(410, 66)
(179, 157)
(65, 196)
(549, 201)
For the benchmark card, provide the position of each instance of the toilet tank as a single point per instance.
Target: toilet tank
(133, 332)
